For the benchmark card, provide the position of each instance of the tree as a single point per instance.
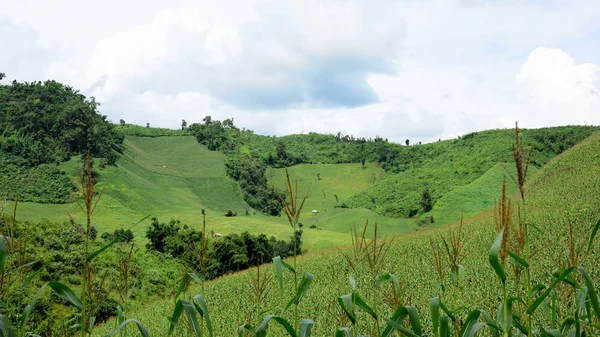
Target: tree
(282, 153)
(122, 122)
(2, 75)
(183, 124)
(148, 125)
(426, 201)
(407, 142)
(158, 233)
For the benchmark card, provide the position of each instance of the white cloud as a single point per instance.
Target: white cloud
(413, 69)
(558, 90)
(22, 55)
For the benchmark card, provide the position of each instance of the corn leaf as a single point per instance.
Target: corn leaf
(3, 252)
(518, 261)
(204, 313)
(302, 289)
(286, 325)
(5, 329)
(494, 256)
(569, 279)
(343, 332)
(29, 308)
(399, 316)
(434, 308)
(473, 329)
(140, 326)
(517, 324)
(591, 292)
(396, 326)
(173, 320)
(188, 308)
(470, 323)
(394, 279)
(246, 327)
(30, 277)
(277, 262)
(305, 327)
(552, 333)
(352, 281)
(261, 331)
(347, 305)
(543, 296)
(447, 311)
(359, 302)
(195, 278)
(65, 293)
(444, 327)
(566, 325)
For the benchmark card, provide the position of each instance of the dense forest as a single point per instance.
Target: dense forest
(41, 125)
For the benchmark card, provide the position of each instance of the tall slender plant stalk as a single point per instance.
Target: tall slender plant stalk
(522, 159)
(88, 207)
(292, 210)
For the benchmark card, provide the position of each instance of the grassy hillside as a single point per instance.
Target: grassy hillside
(566, 191)
(175, 177)
(445, 165)
(327, 181)
(469, 200)
(141, 131)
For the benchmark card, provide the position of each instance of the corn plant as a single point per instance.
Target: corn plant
(292, 211)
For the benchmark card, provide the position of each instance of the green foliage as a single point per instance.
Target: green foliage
(140, 131)
(237, 252)
(45, 183)
(446, 165)
(230, 253)
(54, 122)
(42, 124)
(426, 202)
(55, 252)
(243, 165)
(125, 236)
(214, 134)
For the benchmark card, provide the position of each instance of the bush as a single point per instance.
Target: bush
(428, 220)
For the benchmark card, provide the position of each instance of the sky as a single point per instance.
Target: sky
(416, 69)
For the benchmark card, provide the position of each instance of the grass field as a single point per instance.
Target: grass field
(481, 194)
(343, 181)
(175, 177)
(565, 191)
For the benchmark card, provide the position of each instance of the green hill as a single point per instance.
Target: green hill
(175, 177)
(566, 191)
(328, 181)
(469, 200)
(446, 165)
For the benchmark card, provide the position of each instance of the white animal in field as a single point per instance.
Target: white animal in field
(315, 212)
(218, 235)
